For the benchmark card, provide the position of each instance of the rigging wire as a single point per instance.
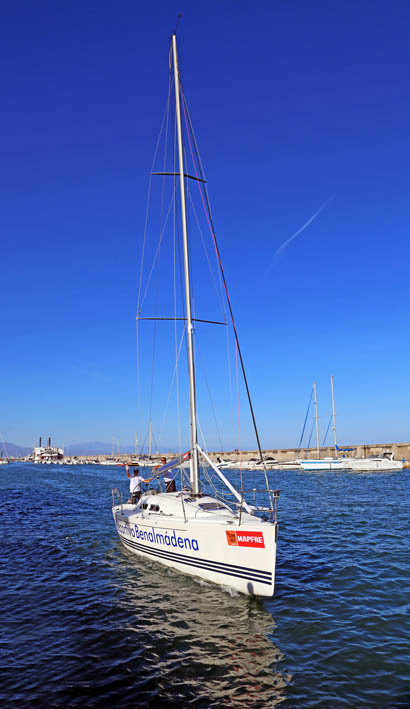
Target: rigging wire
(156, 257)
(311, 433)
(165, 120)
(217, 260)
(218, 292)
(172, 381)
(306, 417)
(238, 413)
(207, 256)
(162, 224)
(327, 430)
(201, 360)
(205, 200)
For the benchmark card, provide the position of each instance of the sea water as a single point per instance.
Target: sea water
(86, 623)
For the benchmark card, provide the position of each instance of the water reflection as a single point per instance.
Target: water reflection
(204, 646)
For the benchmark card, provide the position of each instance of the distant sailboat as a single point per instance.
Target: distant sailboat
(3, 461)
(318, 464)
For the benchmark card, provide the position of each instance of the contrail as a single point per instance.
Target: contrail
(299, 231)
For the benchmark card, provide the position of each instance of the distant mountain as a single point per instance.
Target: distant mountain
(10, 450)
(95, 448)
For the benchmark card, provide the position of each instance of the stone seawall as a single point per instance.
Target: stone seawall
(400, 451)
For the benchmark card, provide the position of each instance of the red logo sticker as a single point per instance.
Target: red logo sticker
(245, 539)
(231, 539)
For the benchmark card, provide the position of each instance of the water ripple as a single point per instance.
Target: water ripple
(86, 623)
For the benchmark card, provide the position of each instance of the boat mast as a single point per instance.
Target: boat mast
(317, 423)
(192, 395)
(334, 415)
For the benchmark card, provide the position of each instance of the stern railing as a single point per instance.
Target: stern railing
(117, 497)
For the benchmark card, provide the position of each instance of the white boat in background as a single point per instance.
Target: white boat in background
(374, 463)
(190, 530)
(324, 464)
(328, 463)
(221, 463)
(47, 454)
(318, 464)
(3, 451)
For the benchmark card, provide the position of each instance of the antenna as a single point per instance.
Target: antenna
(176, 26)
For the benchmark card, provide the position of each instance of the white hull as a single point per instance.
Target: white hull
(324, 464)
(209, 545)
(364, 465)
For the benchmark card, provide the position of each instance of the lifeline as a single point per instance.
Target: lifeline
(166, 539)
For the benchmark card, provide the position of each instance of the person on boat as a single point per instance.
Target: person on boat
(169, 477)
(135, 484)
(169, 481)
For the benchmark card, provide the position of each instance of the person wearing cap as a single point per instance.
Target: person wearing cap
(135, 484)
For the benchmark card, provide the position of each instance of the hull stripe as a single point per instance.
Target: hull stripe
(264, 577)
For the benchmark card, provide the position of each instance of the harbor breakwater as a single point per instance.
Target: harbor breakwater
(399, 451)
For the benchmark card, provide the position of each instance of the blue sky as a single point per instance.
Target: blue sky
(293, 106)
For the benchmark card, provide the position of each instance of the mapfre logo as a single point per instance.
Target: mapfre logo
(245, 539)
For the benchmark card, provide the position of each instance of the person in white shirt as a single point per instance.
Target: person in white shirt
(135, 484)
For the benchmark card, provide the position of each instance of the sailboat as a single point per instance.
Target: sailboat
(373, 463)
(192, 530)
(328, 463)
